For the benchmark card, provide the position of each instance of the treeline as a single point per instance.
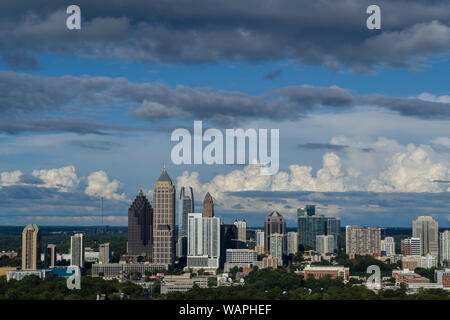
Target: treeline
(279, 284)
(55, 288)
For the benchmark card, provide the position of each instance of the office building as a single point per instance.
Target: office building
(277, 241)
(104, 253)
(362, 241)
(388, 246)
(164, 220)
(208, 206)
(31, 247)
(241, 226)
(426, 228)
(50, 256)
(444, 247)
(411, 247)
(203, 242)
(185, 206)
(140, 231)
(325, 244)
(269, 262)
(240, 258)
(292, 244)
(274, 224)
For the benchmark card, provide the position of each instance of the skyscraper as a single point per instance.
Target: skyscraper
(185, 206)
(311, 225)
(277, 241)
(208, 206)
(140, 231)
(274, 224)
(444, 252)
(203, 241)
(77, 250)
(241, 226)
(50, 256)
(292, 244)
(325, 244)
(31, 247)
(426, 228)
(105, 253)
(362, 241)
(164, 220)
(259, 244)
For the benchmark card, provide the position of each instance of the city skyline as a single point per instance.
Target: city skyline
(362, 114)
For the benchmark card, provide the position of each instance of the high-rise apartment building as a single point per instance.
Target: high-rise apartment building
(164, 220)
(259, 241)
(411, 247)
(208, 206)
(140, 227)
(325, 244)
(50, 256)
(77, 250)
(426, 228)
(388, 246)
(185, 206)
(274, 223)
(444, 248)
(203, 241)
(241, 226)
(309, 226)
(31, 247)
(277, 241)
(292, 244)
(362, 241)
(333, 228)
(105, 253)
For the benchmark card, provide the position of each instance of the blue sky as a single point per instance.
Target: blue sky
(363, 114)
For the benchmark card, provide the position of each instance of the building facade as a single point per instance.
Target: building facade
(276, 246)
(164, 220)
(292, 243)
(426, 228)
(241, 226)
(208, 206)
(50, 256)
(334, 272)
(274, 223)
(259, 241)
(31, 247)
(140, 227)
(362, 241)
(411, 247)
(203, 241)
(444, 247)
(77, 250)
(388, 246)
(325, 244)
(185, 206)
(104, 253)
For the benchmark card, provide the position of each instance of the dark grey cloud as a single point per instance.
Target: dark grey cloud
(273, 75)
(94, 144)
(321, 146)
(332, 33)
(30, 179)
(364, 208)
(77, 104)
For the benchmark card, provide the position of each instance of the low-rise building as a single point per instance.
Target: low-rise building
(413, 262)
(408, 277)
(117, 269)
(323, 271)
(269, 262)
(20, 274)
(182, 283)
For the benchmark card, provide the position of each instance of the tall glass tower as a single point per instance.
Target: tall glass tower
(185, 206)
